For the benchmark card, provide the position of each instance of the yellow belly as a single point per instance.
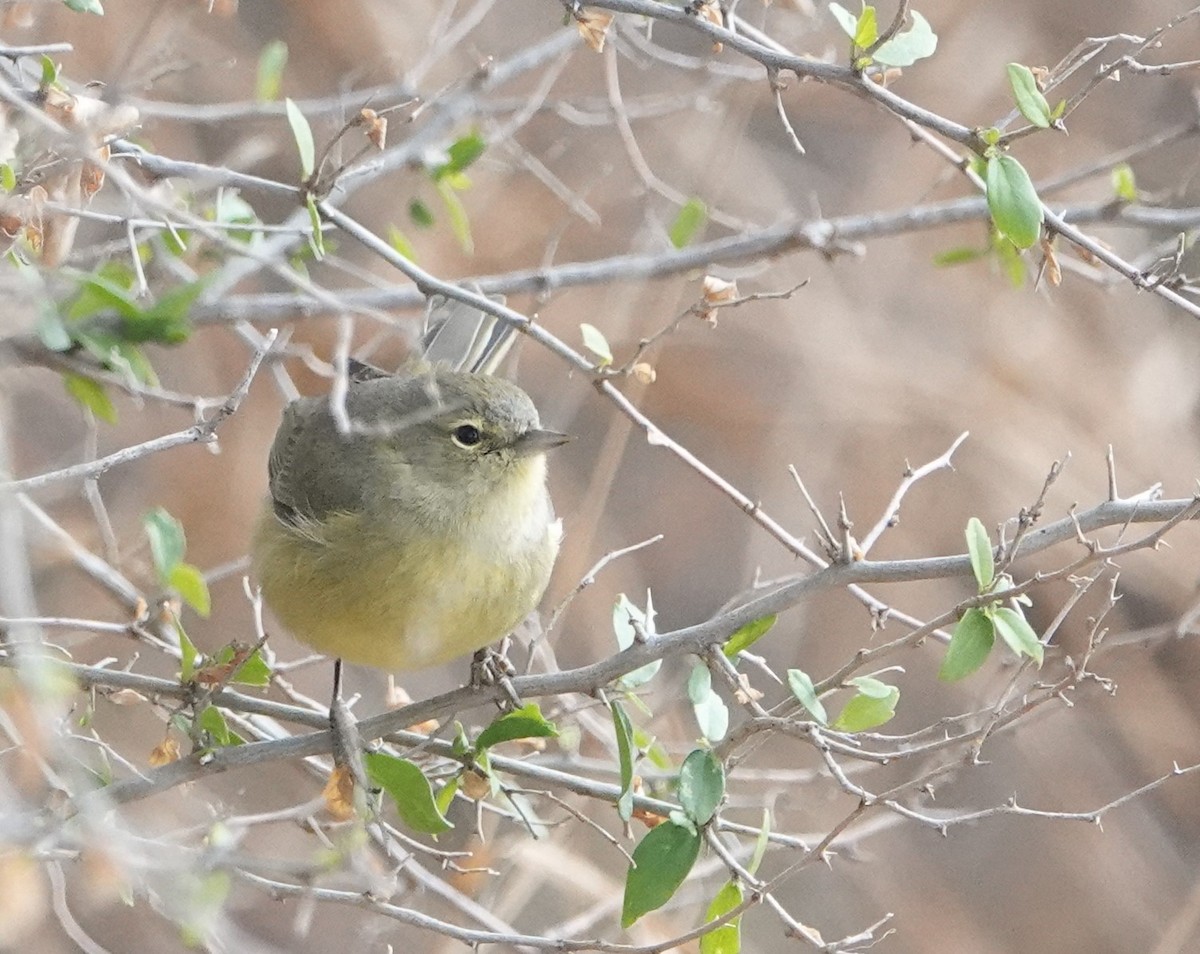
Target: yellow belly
(354, 592)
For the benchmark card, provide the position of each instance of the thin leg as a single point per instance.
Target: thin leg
(490, 667)
(347, 746)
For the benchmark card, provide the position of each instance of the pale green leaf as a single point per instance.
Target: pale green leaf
(167, 542)
(1123, 183)
(271, 62)
(867, 711)
(302, 133)
(688, 222)
(1028, 97)
(846, 20)
(803, 689)
(1015, 630)
(460, 222)
(726, 939)
(627, 619)
(596, 343)
(916, 43)
(189, 583)
(979, 548)
(712, 715)
(1013, 202)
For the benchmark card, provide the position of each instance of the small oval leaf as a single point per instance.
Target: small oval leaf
(969, 646)
(1029, 98)
(979, 548)
(1013, 202)
(1018, 634)
(701, 785)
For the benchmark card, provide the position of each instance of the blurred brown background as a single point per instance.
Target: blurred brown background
(882, 358)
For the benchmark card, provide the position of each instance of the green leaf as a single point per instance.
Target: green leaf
(1018, 634)
(959, 256)
(302, 133)
(688, 222)
(419, 212)
(187, 654)
(8, 177)
(49, 71)
(916, 43)
(627, 619)
(52, 332)
(866, 29)
(445, 795)
(460, 222)
(1008, 256)
(461, 154)
(761, 842)
(624, 732)
(874, 705)
(746, 636)
(1013, 202)
(271, 61)
(803, 689)
(712, 715)
(1123, 182)
(1029, 98)
(400, 242)
(316, 237)
(969, 646)
(846, 20)
(168, 320)
(189, 583)
(979, 548)
(661, 862)
(167, 542)
(701, 785)
(524, 723)
(726, 939)
(253, 672)
(409, 789)
(596, 343)
(92, 396)
(212, 721)
(85, 6)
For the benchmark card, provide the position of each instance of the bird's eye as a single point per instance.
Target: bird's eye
(466, 435)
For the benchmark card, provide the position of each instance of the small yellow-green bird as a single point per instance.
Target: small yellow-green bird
(423, 532)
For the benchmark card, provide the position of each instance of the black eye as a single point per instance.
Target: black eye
(466, 435)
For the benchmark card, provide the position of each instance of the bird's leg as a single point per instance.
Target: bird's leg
(490, 667)
(347, 745)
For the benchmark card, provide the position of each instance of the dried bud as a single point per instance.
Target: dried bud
(475, 786)
(166, 751)
(338, 793)
(643, 373)
(593, 27)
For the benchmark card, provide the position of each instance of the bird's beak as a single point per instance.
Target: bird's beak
(538, 442)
